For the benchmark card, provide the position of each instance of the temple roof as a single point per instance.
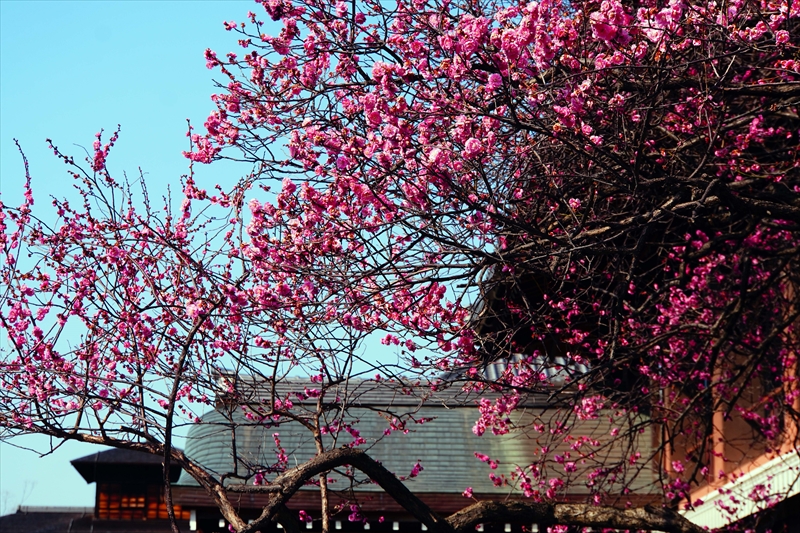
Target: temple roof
(245, 389)
(445, 444)
(118, 464)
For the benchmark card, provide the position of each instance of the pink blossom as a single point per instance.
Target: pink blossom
(610, 22)
(494, 82)
(472, 148)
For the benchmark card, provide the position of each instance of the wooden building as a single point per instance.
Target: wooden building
(128, 499)
(129, 485)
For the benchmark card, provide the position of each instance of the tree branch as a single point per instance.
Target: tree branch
(584, 515)
(291, 481)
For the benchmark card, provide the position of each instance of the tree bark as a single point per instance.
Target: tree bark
(584, 515)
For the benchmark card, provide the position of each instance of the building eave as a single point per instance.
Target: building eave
(772, 482)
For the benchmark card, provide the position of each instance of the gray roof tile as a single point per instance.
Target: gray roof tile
(445, 446)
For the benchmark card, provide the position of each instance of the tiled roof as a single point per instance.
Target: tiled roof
(445, 446)
(118, 456)
(555, 369)
(71, 520)
(388, 394)
(53, 521)
(118, 462)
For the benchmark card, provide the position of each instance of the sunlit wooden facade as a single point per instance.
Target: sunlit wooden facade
(129, 485)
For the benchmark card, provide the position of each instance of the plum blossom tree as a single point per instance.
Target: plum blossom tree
(539, 187)
(612, 184)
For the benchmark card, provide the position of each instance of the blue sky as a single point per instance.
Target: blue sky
(68, 69)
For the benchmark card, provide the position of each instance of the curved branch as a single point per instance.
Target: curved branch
(585, 515)
(648, 518)
(290, 482)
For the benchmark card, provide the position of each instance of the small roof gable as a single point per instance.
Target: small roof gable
(118, 464)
